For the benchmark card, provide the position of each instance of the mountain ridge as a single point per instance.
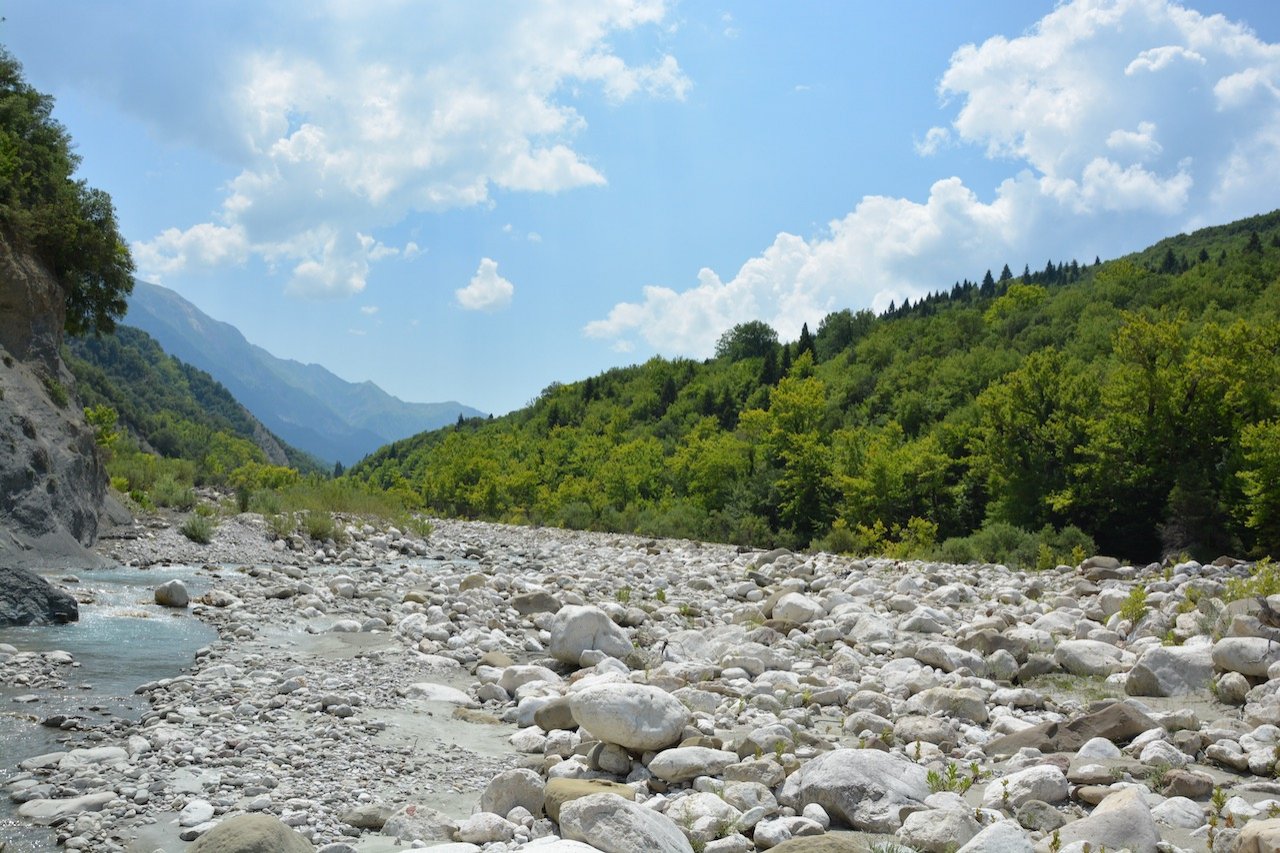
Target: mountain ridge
(307, 405)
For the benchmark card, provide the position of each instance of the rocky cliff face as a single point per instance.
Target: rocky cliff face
(52, 481)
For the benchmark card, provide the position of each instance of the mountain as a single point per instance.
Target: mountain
(304, 404)
(169, 407)
(1129, 405)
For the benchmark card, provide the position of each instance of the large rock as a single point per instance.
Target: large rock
(251, 833)
(687, 762)
(1171, 671)
(1122, 820)
(1002, 837)
(938, 830)
(1246, 655)
(1088, 657)
(579, 628)
(28, 599)
(634, 716)
(47, 811)
(798, 608)
(1044, 782)
(614, 825)
(1260, 836)
(172, 594)
(560, 791)
(864, 788)
(511, 788)
(1117, 723)
(423, 823)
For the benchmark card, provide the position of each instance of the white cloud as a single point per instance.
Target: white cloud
(410, 251)
(487, 290)
(1058, 104)
(368, 310)
(362, 116)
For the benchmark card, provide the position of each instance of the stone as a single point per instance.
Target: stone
(431, 692)
(579, 628)
(253, 833)
(47, 811)
(555, 713)
(538, 601)
(1259, 836)
(615, 825)
(865, 788)
(172, 593)
(1180, 812)
(965, 704)
(1122, 820)
(1246, 655)
(1192, 784)
(687, 762)
(485, 827)
(512, 788)
(367, 816)
(1171, 671)
(1088, 657)
(1118, 723)
(195, 812)
(1044, 782)
(1002, 837)
(937, 830)
(709, 808)
(417, 821)
(821, 844)
(1039, 816)
(28, 599)
(560, 791)
(635, 716)
(798, 608)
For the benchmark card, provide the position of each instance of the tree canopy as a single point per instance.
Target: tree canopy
(69, 226)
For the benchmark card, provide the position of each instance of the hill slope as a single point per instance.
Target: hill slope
(1135, 401)
(169, 407)
(304, 404)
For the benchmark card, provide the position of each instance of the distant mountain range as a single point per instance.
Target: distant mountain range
(304, 404)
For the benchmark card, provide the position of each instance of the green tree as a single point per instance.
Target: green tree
(753, 339)
(68, 225)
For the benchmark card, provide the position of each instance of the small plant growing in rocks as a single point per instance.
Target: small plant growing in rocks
(623, 595)
(950, 780)
(1135, 606)
(1218, 800)
(1055, 843)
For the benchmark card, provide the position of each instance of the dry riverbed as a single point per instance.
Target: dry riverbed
(497, 688)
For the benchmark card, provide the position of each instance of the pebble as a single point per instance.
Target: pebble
(768, 696)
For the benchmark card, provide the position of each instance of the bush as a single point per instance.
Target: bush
(198, 528)
(169, 492)
(321, 527)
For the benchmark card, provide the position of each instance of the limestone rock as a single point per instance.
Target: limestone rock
(511, 788)
(1002, 837)
(251, 833)
(416, 821)
(864, 788)
(560, 791)
(635, 716)
(579, 628)
(1245, 655)
(172, 593)
(614, 825)
(1260, 836)
(938, 830)
(686, 762)
(1121, 820)
(1170, 671)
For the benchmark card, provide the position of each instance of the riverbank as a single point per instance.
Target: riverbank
(376, 691)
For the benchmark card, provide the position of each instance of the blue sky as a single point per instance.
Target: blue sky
(466, 200)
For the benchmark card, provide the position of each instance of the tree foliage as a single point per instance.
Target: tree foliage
(1131, 405)
(69, 226)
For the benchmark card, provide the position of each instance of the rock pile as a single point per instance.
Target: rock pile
(679, 696)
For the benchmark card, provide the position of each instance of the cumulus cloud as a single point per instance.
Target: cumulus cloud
(1120, 120)
(487, 290)
(362, 116)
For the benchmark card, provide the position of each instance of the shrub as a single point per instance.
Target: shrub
(321, 527)
(1135, 606)
(198, 528)
(169, 492)
(1264, 580)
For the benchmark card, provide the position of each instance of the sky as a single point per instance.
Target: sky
(471, 199)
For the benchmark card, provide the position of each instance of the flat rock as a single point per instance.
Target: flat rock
(1171, 671)
(687, 762)
(1118, 723)
(560, 791)
(47, 811)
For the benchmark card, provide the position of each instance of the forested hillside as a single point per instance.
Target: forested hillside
(170, 408)
(1133, 402)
